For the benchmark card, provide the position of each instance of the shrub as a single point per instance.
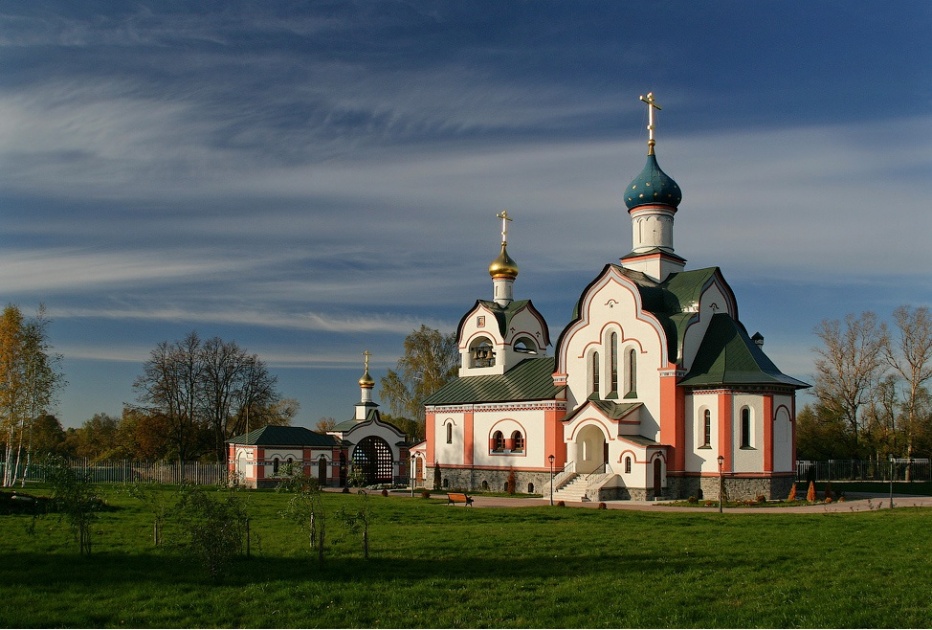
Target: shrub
(692, 500)
(602, 506)
(828, 499)
(511, 481)
(345, 490)
(811, 496)
(215, 527)
(792, 496)
(425, 494)
(761, 498)
(384, 492)
(561, 503)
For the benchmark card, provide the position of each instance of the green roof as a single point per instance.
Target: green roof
(532, 379)
(727, 356)
(614, 410)
(270, 435)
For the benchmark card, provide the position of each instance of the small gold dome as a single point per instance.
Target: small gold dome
(503, 266)
(366, 380)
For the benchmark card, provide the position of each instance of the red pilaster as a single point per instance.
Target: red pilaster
(672, 419)
(430, 432)
(726, 420)
(260, 463)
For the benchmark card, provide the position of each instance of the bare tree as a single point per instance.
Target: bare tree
(170, 385)
(909, 353)
(849, 363)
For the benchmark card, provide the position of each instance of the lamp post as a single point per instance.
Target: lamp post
(551, 479)
(411, 476)
(721, 482)
(891, 481)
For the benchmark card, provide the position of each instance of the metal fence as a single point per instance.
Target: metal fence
(903, 469)
(126, 471)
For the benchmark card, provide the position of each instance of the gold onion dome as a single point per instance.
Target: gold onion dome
(503, 266)
(366, 380)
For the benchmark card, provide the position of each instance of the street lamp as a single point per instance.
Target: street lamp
(551, 479)
(411, 475)
(721, 481)
(891, 481)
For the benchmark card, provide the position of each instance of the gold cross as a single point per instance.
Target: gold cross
(651, 106)
(503, 215)
(366, 355)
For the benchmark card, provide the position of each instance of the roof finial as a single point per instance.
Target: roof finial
(651, 106)
(366, 354)
(503, 215)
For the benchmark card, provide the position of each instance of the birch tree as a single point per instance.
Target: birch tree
(29, 379)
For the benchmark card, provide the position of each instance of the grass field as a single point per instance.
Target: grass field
(438, 566)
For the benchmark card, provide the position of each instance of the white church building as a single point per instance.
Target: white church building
(654, 389)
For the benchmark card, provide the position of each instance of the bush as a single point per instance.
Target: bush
(602, 506)
(384, 492)
(561, 503)
(425, 494)
(811, 496)
(214, 526)
(792, 496)
(692, 500)
(761, 498)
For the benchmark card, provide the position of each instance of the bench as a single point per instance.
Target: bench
(458, 497)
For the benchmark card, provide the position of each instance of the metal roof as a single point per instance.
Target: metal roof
(271, 435)
(532, 379)
(727, 356)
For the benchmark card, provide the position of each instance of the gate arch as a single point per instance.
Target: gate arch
(372, 457)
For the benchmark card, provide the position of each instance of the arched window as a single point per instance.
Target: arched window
(631, 372)
(613, 362)
(481, 353)
(525, 345)
(517, 439)
(449, 433)
(595, 373)
(707, 428)
(745, 427)
(373, 458)
(530, 488)
(485, 485)
(498, 441)
(627, 465)
(275, 464)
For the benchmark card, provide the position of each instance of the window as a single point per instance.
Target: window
(498, 441)
(707, 429)
(275, 464)
(449, 433)
(745, 427)
(631, 373)
(518, 441)
(595, 373)
(627, 465)
(530, 488)
(613, 362)
(525, 345)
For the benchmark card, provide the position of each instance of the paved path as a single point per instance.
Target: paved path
(854, 503)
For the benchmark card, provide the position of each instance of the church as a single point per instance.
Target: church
(653, 390)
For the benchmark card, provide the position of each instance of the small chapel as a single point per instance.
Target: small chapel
(653, 390)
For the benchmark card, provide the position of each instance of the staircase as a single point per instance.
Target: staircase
(576, 491)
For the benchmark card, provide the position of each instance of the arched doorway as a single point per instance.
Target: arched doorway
(372, 458)
(658, 477)
(322, 471)
(590, 450)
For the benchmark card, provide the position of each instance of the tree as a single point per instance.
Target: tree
(30, 377)
(325, 424)
(909, 354)
(97, 438)
(74, 499)
(429, 362)
(213, 386)
(848, 366)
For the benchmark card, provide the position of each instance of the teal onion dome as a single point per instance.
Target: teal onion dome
(652, 186)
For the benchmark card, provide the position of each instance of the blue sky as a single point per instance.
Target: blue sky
(312, 180)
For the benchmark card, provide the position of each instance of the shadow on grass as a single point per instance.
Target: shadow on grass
(105, 570)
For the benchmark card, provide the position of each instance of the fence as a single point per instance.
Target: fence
(126, 471)
(915, 469)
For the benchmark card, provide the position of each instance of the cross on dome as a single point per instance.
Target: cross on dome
(503, 215)
(651, 106)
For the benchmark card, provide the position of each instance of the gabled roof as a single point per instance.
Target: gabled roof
(609, 408)
(270, 435)
(504, 314)
(727, 356)
(673, 302)
(532, 379)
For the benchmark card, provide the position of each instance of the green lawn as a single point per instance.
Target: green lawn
(437, 566)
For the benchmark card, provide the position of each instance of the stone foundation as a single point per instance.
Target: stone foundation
(472, 480)
(736, 488)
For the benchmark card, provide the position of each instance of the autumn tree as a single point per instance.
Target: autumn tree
(325, 424)
(848, 365)
(30, 377)
(429, 362)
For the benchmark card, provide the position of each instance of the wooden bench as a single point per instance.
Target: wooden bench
(458, 497)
